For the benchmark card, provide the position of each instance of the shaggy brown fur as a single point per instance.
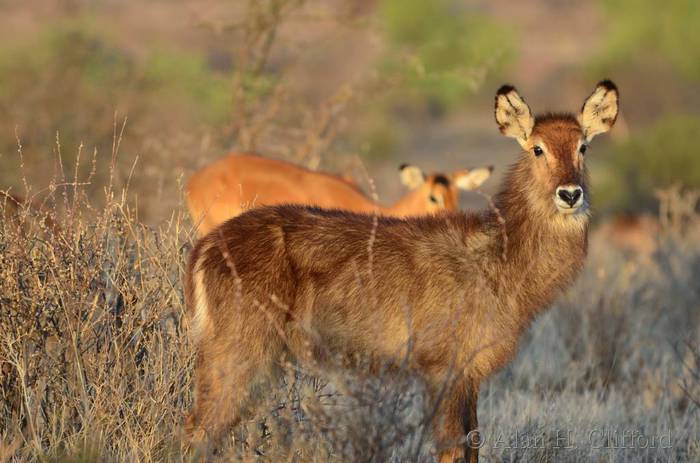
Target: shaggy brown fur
(298, 281)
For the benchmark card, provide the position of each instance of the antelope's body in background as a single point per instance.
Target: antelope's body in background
(237, 182)
(459, 289)
(632, 234)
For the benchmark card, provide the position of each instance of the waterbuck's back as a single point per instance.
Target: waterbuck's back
(238, 182)
(357, 283)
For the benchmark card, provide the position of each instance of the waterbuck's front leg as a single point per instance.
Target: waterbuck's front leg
(471, 429)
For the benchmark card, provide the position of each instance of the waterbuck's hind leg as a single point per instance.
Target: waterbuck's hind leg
(450, 421)
(455, 424)
(472, 426)
(223, 385)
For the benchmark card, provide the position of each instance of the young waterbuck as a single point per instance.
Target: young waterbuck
(450, 295)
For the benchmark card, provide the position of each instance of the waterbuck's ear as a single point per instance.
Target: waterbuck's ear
(599, 111)
(513, 115)
(471, 179)
(411, 176)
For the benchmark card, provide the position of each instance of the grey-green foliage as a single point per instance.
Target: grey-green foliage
(73, 76)
(663, 155)
(644, 29)
(52, 80)
(76, 79)
(437, 54)
(443, 49)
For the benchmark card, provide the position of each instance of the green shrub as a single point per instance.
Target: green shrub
(442, 50)
(436, 54)
(661, 156)
(67, 78)
(185, 80)
(75, 78)
(77, 65)
(641, 29)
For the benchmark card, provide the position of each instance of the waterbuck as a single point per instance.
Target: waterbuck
(229, 186)
(449, 294)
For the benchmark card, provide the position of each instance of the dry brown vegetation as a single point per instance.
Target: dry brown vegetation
(96, 363)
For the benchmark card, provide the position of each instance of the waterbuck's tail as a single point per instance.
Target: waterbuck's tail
(196, 299)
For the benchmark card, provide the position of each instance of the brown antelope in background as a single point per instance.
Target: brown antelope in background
(633, 234)
(238, 182)
(459, 289)
(641, 234)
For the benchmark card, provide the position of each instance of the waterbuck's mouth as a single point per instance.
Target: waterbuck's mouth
(568, 210)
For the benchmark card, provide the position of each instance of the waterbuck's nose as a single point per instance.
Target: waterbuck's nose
(570, 194)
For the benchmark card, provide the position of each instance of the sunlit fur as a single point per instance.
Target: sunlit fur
(200, 321)
(559, 136)
(239, 182)
(448, 296)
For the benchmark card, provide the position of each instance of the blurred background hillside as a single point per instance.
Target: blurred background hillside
(336, 84)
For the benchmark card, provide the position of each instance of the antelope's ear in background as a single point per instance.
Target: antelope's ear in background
(411, 176)
(471, 179)
(513, 115)
(600, 110)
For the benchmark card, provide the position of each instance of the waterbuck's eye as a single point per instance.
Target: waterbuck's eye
(537, 150)
(583, 149)
(433, 199)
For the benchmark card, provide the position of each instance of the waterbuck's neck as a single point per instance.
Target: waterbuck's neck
(538, 250)
(412, 203)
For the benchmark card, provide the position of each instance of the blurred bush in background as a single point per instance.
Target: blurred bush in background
(443, 49)
(321, 83)
(646, 30)
(436, 55)
(67, 79)
(653, 49)
(74, 83)
(74, 75)
(664, 155)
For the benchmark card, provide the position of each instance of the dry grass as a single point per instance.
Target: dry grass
(93, 347)
(96, 362)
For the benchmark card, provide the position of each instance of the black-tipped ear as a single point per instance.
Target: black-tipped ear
(513, 115)
(502, 90)
(608, 85)
(471, 179)
(505, 88)
(411, 176)
(599, 111)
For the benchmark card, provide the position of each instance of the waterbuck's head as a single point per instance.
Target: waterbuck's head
(555, 146)
(438, 191)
